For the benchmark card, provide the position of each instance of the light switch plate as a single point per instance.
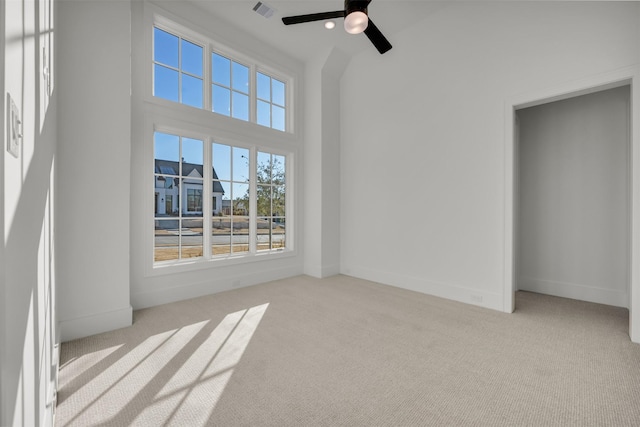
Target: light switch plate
(14, 128)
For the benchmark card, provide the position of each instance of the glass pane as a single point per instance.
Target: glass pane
(191, 238)
(221, 155)
(263, 193)
(165, 83)
(264, 167)
(216, 197)
(240, 238)
(240, 165)
(278, 118)
(166, 147)
(166, 240)
(277, 92)
(193, 191)
(240, 202)
(278, 240)
(165, 48)
(191, 58)
(240, 77)
(263, 234)
(264, 113)
(278, 169)
(221, 100)
(191, 91)
(263, 84)
(166, 194)
(226, 197)
(240, 106)
(278, 200)
(192, 157)
(221, 70)
(221, 235)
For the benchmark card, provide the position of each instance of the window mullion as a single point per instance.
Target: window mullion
(253, 94)
(207, 193)
(253, 202)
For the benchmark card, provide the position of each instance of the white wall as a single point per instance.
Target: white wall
(27, 260)
(94, 139)
(322, 163)
(424, 124)
(152, 287)
(574, 198)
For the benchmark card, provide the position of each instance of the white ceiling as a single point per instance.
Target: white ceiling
(302, 41)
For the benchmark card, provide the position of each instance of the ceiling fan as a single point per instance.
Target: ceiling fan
(356, 20)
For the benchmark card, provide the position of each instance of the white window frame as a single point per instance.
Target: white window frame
(158, 19)
(171, 117)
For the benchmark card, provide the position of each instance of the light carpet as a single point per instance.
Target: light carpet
(347, 352)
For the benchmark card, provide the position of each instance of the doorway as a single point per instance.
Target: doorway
(572, 197)
(625, 76)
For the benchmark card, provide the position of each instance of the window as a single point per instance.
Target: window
(229, 88)
(179, 73)
(194, 200)
(178, 229)
(271, 201)
(220, 194)
(271, 102)
(177, 68)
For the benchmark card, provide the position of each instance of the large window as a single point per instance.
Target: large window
(221, 189)
(179, 73)
(180, 174)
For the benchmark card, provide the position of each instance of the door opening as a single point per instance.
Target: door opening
(572, 201)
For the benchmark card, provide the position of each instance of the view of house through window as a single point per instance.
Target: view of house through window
(178, 177)
(179, 174)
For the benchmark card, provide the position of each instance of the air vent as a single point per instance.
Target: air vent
(264, 9)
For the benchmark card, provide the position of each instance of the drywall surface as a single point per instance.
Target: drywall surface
(94, 134)
(322, 163)
(573, 214)
(27, 270)
(422, 143)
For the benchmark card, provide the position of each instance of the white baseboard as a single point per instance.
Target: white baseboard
(320, 272)
(81, 327)
(574, 291)
(439, 289)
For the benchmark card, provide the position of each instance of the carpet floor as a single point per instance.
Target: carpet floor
(348, 352)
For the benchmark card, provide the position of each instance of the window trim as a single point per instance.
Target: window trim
(166, 124)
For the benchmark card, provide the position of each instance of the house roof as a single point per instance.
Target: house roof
(168, 167)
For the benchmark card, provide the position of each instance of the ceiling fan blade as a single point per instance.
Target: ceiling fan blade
(288, 20)
(379, 41)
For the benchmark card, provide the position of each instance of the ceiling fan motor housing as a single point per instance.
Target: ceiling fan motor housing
(356, 6)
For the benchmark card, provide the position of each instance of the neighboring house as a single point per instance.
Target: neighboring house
(167, 189)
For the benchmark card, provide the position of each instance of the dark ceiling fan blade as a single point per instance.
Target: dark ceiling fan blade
(288, 20)
(379, 41)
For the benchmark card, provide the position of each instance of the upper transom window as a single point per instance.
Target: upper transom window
(237, 89)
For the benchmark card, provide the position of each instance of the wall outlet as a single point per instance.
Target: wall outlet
(476, 298)
(14, 128)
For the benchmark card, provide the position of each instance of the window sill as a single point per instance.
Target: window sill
(183, 266)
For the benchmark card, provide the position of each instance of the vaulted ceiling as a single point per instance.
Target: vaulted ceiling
(302, 41)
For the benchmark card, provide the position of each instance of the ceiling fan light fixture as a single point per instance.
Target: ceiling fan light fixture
(356, 22)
